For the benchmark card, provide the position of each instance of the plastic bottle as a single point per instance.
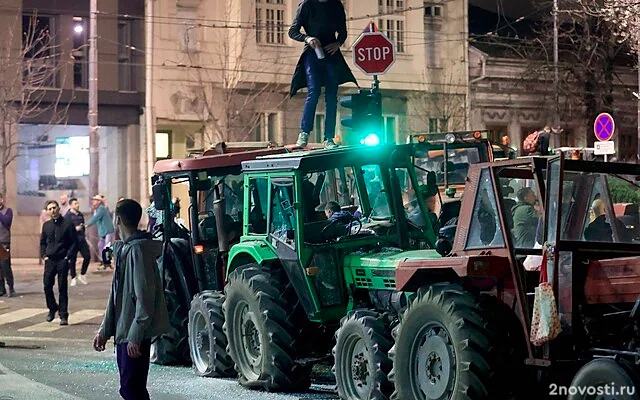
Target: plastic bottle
(319, 53)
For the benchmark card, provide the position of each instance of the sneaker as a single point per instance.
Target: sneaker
(74, 282)
(83, 279)
(51, 316)
(330, 144)
(64, 321)
(303, 139)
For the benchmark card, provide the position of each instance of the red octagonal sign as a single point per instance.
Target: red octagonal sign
(374, 53)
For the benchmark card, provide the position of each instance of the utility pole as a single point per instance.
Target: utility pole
(556, 79)
(94, 157)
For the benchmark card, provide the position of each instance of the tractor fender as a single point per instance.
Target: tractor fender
(250, 252)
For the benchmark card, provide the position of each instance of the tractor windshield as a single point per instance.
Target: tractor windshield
(456, 161)
(599, 207)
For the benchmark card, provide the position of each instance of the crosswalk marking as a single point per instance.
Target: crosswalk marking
(20, 314)
(74, 319)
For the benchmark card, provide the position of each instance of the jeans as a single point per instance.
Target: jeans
(319, 72)
(83, 248)
(59, 268)
(133, 371)
(6, 274)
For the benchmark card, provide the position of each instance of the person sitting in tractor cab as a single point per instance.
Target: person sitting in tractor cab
(526, 218)
(428, 193)
(599, 229)
(334, 212)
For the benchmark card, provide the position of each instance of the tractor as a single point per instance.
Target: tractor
(466, 332)
(304, 286)
(193, 259)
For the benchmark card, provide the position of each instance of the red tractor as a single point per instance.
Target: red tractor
(466, 332)
(194, 256)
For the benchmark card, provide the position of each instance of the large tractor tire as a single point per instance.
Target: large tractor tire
(263, 321)
(602, 378)
(442, 348)
(361, 360)
(207, 341)
(176, 270)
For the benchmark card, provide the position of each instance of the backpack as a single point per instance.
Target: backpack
(530, 144)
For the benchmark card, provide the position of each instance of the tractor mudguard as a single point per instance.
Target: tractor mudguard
(250, 252)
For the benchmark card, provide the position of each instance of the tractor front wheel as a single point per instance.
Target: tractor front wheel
(442, 347)
(361, 360)
(605, 379)
(207, 341)
(263, 320)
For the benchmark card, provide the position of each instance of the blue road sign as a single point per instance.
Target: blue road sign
(604, 126)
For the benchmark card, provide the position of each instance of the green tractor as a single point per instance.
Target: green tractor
(314, 271)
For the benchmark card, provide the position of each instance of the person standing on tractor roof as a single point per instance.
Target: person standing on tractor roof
(321, 63)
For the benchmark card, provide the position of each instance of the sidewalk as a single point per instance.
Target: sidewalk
(15, 386)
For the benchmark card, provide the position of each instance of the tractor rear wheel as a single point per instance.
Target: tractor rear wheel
(173, 348)
(263, 321)
(207, 341)
(442, 348)
(361, 360)
(605, 379)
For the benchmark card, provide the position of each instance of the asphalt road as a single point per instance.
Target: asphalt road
(43, 360)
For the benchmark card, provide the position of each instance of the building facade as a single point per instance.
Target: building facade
(51, 144)
(222, 70)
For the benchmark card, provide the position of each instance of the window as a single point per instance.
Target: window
(521, 206)
(390, 129)
(125, 56)
(258, 206)
(395, 31)
(270, 21)
(317, 134)
(72, 156)
(376, 191)
(393, 23)
(79, 53)
(187, 30)
(38, 46)
(432, 11)
(163, 145)
(282, 211)
(266, 127)
(438, 125)
(485, 230)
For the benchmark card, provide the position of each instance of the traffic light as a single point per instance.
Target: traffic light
(371, 131)
(365, 121)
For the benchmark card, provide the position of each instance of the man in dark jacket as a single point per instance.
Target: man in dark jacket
(77, 218)
(599, 229)
(58, 243)
(321, 20)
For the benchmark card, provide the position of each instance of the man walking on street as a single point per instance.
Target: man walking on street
(103, 219)
(58, 243)
(6, 274)
(136, 311)
(64, 204)
(75, 216)
(321, 63)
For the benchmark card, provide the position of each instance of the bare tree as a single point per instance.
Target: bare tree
(588, 54)
(29, 88)
(623, 17)
(440, 101)
(229, 87)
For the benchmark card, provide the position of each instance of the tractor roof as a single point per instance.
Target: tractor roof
(316, 160)
(224, 162)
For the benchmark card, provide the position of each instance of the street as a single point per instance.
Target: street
(48, 361)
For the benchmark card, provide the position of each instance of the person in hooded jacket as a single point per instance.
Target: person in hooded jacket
(321, 63)
(136, 311)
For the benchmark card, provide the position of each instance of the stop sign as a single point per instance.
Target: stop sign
(374, 53)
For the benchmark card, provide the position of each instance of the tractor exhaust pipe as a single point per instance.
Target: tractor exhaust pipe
(219, 213)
